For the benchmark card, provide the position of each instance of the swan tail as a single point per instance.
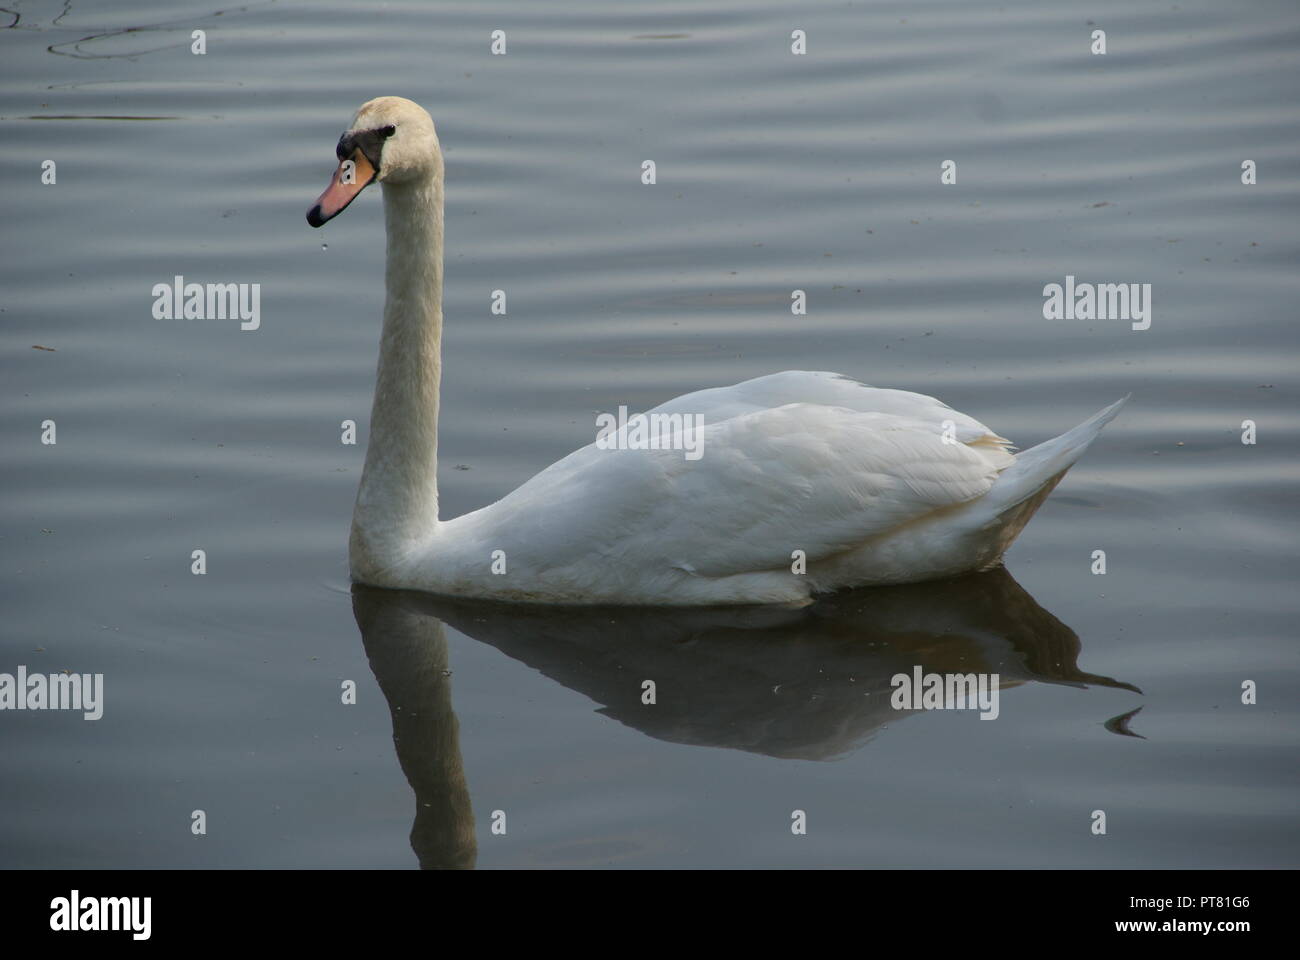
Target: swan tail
(1022, 487)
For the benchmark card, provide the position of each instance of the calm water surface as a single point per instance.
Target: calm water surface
(775, 172)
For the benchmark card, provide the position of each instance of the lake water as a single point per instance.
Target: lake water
(775, 172)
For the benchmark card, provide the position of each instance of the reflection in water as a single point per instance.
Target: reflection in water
(408, 654)
(812, 683)
(1120, 724)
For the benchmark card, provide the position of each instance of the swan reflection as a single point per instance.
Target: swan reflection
(810, 683)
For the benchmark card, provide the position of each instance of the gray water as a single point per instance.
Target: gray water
(818, 172)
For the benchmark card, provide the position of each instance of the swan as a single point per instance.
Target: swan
(802, 482)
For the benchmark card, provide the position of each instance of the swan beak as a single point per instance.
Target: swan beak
(349, 179)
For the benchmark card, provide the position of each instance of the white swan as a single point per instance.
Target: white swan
(868, 486)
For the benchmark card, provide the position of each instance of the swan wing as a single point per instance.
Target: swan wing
(831, 390)
(802, 476)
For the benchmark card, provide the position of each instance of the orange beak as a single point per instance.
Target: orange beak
(351, 177)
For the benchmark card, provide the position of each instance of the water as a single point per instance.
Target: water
(775, 172)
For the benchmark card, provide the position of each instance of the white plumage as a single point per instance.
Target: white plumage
(807, 482)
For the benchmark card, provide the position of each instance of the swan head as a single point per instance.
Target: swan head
(391, 140)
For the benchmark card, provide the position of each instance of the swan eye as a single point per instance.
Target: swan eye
(388, 131)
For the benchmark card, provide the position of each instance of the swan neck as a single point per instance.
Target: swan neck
(397, 501)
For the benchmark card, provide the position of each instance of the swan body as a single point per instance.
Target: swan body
(804, 482)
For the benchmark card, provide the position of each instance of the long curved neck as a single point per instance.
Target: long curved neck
(397, 502)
